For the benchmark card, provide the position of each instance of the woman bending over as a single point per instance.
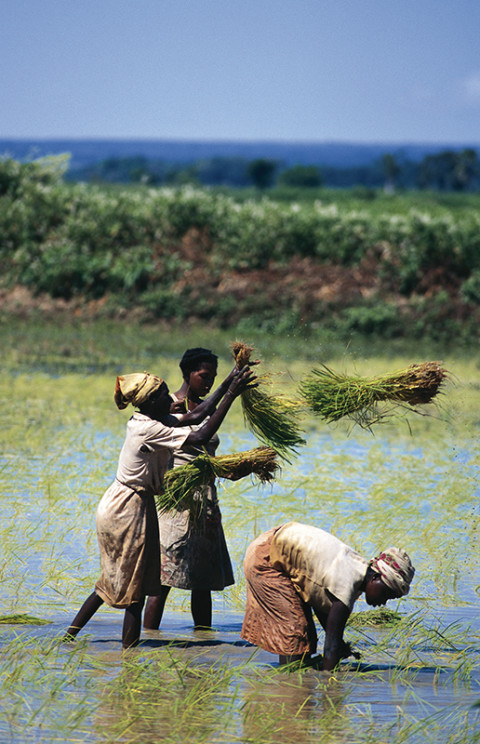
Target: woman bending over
(294, 569)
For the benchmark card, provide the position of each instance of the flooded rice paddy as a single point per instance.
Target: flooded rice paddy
(414, 482)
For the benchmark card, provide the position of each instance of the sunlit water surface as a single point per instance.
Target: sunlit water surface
(419, 682)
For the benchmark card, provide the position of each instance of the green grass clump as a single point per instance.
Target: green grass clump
(379, 617)
(272, 418)
(22, 619)
(184, 486)
(332, 395)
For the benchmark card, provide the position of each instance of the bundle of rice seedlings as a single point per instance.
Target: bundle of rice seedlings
(380, 616)
(332, 395)
(184, 486)
(272, 418)
(22, 619)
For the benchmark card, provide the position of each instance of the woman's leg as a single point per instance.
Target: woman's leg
(201, 606)
(290, 658)
(132, 624)
(154, 609)
(87, 611)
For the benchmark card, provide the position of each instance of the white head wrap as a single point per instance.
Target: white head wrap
(395, 569)
(135, 388)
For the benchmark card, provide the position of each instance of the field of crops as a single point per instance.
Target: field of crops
(401, 266)
(413, 482)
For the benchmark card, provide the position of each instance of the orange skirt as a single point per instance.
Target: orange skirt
(276, 617)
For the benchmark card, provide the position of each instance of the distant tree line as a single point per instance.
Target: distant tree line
(448, 170)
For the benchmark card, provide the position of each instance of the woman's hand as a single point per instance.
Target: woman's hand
(242, 378)
(241, 471)
(334, 627)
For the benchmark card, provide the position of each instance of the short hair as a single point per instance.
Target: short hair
(194, 358)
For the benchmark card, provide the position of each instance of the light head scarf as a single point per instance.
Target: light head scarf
(395, 569)
(135, 388)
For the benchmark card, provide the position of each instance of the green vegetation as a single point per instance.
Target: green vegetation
(392, 266)
(332, 395)
(380, 616)
(183, 485)
(416, 486)
(22, 619)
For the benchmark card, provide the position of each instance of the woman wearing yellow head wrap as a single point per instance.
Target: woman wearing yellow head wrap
(127, 525)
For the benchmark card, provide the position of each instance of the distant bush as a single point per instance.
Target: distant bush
(470, 289)
(186, 252)
(372, 320)
(301, 176)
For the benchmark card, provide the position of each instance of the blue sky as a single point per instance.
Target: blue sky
(295, 70)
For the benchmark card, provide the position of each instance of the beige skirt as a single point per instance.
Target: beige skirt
(276, 617)
(127, 532)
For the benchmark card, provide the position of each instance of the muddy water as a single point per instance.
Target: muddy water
(247, 698)
(419, 683)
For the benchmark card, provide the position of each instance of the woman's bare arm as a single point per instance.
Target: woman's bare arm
(207, 406)
(241, 379)
(336, 620)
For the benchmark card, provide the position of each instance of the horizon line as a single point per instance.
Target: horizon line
(267, 141)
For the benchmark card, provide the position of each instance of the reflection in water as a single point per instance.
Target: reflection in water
(293, 707)
(209, 689)
(163, 698)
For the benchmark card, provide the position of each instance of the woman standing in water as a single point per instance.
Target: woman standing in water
(194, 556)
(127, 524)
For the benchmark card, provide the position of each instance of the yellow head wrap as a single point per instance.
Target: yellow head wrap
(135, 388)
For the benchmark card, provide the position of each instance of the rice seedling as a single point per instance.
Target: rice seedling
(272, 418)
(378, 617)
(183, 485)
(22, 618)
(418, 679)
(47, 694)
(332, 395)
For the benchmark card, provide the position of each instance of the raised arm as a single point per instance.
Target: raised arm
(207, 406)
(238, 383)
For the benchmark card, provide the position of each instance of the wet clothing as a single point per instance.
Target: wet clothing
(127, 525)
(194, 555)
(289, 570)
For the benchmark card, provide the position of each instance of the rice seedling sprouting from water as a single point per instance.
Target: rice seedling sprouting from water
(183, 486)
(272, 418)
(332, 395)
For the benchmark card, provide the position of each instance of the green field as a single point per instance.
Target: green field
(349, 263)
(412, 482)
(96, 281)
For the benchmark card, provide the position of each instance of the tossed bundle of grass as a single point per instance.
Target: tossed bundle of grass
(332, 395)
(183, 486)
(272, 418)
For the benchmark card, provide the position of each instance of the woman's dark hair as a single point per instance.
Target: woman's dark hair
(194, 358)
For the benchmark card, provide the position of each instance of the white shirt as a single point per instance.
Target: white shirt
(147, 451)
(317, 561)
